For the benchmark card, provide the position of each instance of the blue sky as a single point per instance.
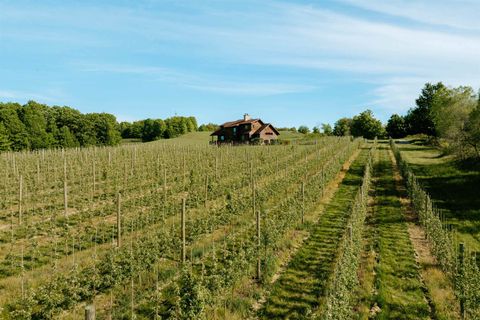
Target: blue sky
(288, 62)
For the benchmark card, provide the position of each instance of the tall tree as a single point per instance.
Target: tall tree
(33, 117)
(396, 127)
(342, 127)
(303, 129)
(4, 140)
(451, 109)
(472, 130)
(420, 119)
(365, 125)
(327, 129)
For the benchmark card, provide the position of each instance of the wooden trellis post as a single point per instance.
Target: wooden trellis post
(90, 312)
(183, 231)
(461, 248)
(258, 246)
(20, 200)
(206, 190)
(303, 202)
(119, 220)
(65, 192)
(254, 199)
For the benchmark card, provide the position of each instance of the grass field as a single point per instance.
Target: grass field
(452, 186)
(103, 226)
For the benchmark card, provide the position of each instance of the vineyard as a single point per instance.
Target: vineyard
(189, 231)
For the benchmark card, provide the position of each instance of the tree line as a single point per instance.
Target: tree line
(449, 116)
(362, 125)
(155, 129)
(34, 126)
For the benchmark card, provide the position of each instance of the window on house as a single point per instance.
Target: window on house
(234, 130)
(222, 138)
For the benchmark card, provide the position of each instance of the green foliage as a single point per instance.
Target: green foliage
(341, 291)
(396, 127)
(316, 130)
(462, 270)
(472, 130)
(342, 127)
(38, 126)
(4, 140)
(419, 120)
(303, 129)
(192, 296)
(327, 129)
(208, 127)
(155, 129)
(451, 109)
(365, 125)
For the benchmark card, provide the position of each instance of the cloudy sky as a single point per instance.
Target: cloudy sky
(289, 62)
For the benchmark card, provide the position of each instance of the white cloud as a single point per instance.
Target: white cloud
(15, 95)
(462, 14)
(395, 57)
(203, 82)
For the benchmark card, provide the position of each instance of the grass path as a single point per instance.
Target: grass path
(399, 292)
(440, 292)
(301, 286)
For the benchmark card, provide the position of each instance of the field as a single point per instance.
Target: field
(453, 187)
(327, 229)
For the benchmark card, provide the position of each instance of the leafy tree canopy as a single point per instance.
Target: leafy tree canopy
(303, 129)
(342, 127)
(365, 125)
(396, 127)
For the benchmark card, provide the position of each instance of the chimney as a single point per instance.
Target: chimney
(246, 117)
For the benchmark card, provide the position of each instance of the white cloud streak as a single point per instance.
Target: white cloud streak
(396, 58)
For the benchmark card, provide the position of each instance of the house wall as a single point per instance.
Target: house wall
(241, 130)
(268, 134)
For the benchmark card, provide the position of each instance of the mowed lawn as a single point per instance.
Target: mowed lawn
(398, 286)
(302, 285)
(454, 187)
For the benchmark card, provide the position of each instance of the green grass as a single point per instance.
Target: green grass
(454, 187)
(204, 138)
(301, 286)
(399, 289)
(290, 135)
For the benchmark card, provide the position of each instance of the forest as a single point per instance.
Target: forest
(34, 126)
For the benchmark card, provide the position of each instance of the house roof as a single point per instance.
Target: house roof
(240, 122)
(236, 123)
(266, 125)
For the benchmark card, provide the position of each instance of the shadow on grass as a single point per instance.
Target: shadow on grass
(452, 185)
(303, 283)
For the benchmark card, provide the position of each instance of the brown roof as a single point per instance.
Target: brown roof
(266, 125)
(216, 133)
(239, 122)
